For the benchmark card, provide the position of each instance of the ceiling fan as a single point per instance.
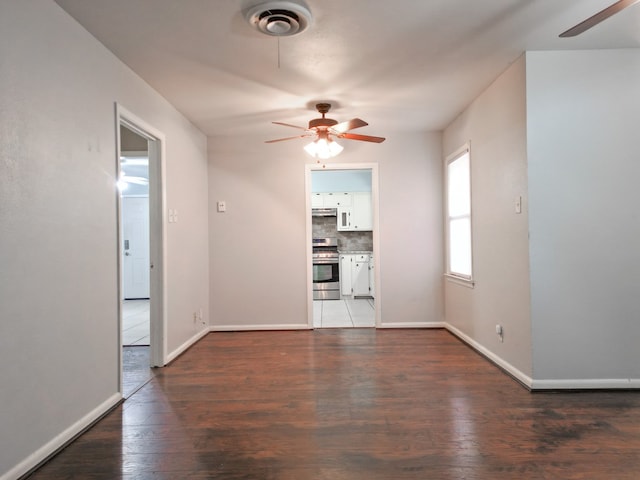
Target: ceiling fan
(598, 17)
(324, 129)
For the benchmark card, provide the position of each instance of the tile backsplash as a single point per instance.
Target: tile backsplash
(347, 241)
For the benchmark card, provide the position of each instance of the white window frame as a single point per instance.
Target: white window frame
(461, 277)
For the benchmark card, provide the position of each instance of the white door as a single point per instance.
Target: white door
(135, 235)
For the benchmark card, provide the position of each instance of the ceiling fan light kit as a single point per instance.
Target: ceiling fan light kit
(323, 148)
(279, 18)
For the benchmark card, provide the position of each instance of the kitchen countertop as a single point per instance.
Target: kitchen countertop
(355, 252)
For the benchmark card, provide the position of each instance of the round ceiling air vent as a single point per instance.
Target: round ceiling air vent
(279, 18)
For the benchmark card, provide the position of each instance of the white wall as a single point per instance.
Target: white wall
(411, 245)
(495, 126)
(258, 248)
(58, 281)
(582, 123)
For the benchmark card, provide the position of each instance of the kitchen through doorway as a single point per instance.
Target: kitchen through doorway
(342, 234)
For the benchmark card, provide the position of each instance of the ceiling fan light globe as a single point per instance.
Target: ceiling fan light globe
(335, 148)
(311, 149)
(323, 148)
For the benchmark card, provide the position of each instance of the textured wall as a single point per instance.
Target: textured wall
(59, 338)
(495, 126)
(259, 267)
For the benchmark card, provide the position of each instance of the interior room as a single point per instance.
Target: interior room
(488, 262)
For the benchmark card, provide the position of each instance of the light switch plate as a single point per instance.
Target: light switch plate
(222, 206)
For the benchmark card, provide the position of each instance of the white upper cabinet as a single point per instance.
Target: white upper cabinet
(362, 211)
(317, 200)
(359, 215)
(337, 199)
(331, 199)
(354, 209)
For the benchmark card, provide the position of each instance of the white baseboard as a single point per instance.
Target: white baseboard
(304, 326)
(246, 328)
(506, 366)
(182, 348)
(560, 384)
(586, 384)
(412, 325)
(60, 440)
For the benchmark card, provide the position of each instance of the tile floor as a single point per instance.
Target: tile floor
(135, 322)
(344, 313)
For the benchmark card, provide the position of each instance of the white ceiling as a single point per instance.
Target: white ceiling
(398, 64)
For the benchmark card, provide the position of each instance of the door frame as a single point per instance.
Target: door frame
(376, 231)
(157, 236)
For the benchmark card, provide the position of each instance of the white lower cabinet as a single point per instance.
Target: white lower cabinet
(355, 275)
(372, 277)
(345, 274)
(360, 277)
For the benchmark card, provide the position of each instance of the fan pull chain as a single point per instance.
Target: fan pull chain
(278, 53)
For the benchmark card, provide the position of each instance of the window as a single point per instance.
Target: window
(459, 262)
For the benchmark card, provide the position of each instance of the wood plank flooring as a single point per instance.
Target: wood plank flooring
(352, 404)
(135, 368)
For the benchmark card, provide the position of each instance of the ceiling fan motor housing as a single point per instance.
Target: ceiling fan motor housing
(322, 123)
(279, 18)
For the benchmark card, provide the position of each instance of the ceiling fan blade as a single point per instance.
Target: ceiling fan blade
(288, 138)
(350, 125)
(598, 17)
(289, 125)
(365, 138)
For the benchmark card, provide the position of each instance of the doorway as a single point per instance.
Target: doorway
(140, 251)
(133, 184)
(342, 210)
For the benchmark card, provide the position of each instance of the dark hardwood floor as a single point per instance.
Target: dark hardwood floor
(135, 368)
(352, 404)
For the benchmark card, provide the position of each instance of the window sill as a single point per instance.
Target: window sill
(460, 281)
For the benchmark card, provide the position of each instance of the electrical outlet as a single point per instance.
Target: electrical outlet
(500, 332)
